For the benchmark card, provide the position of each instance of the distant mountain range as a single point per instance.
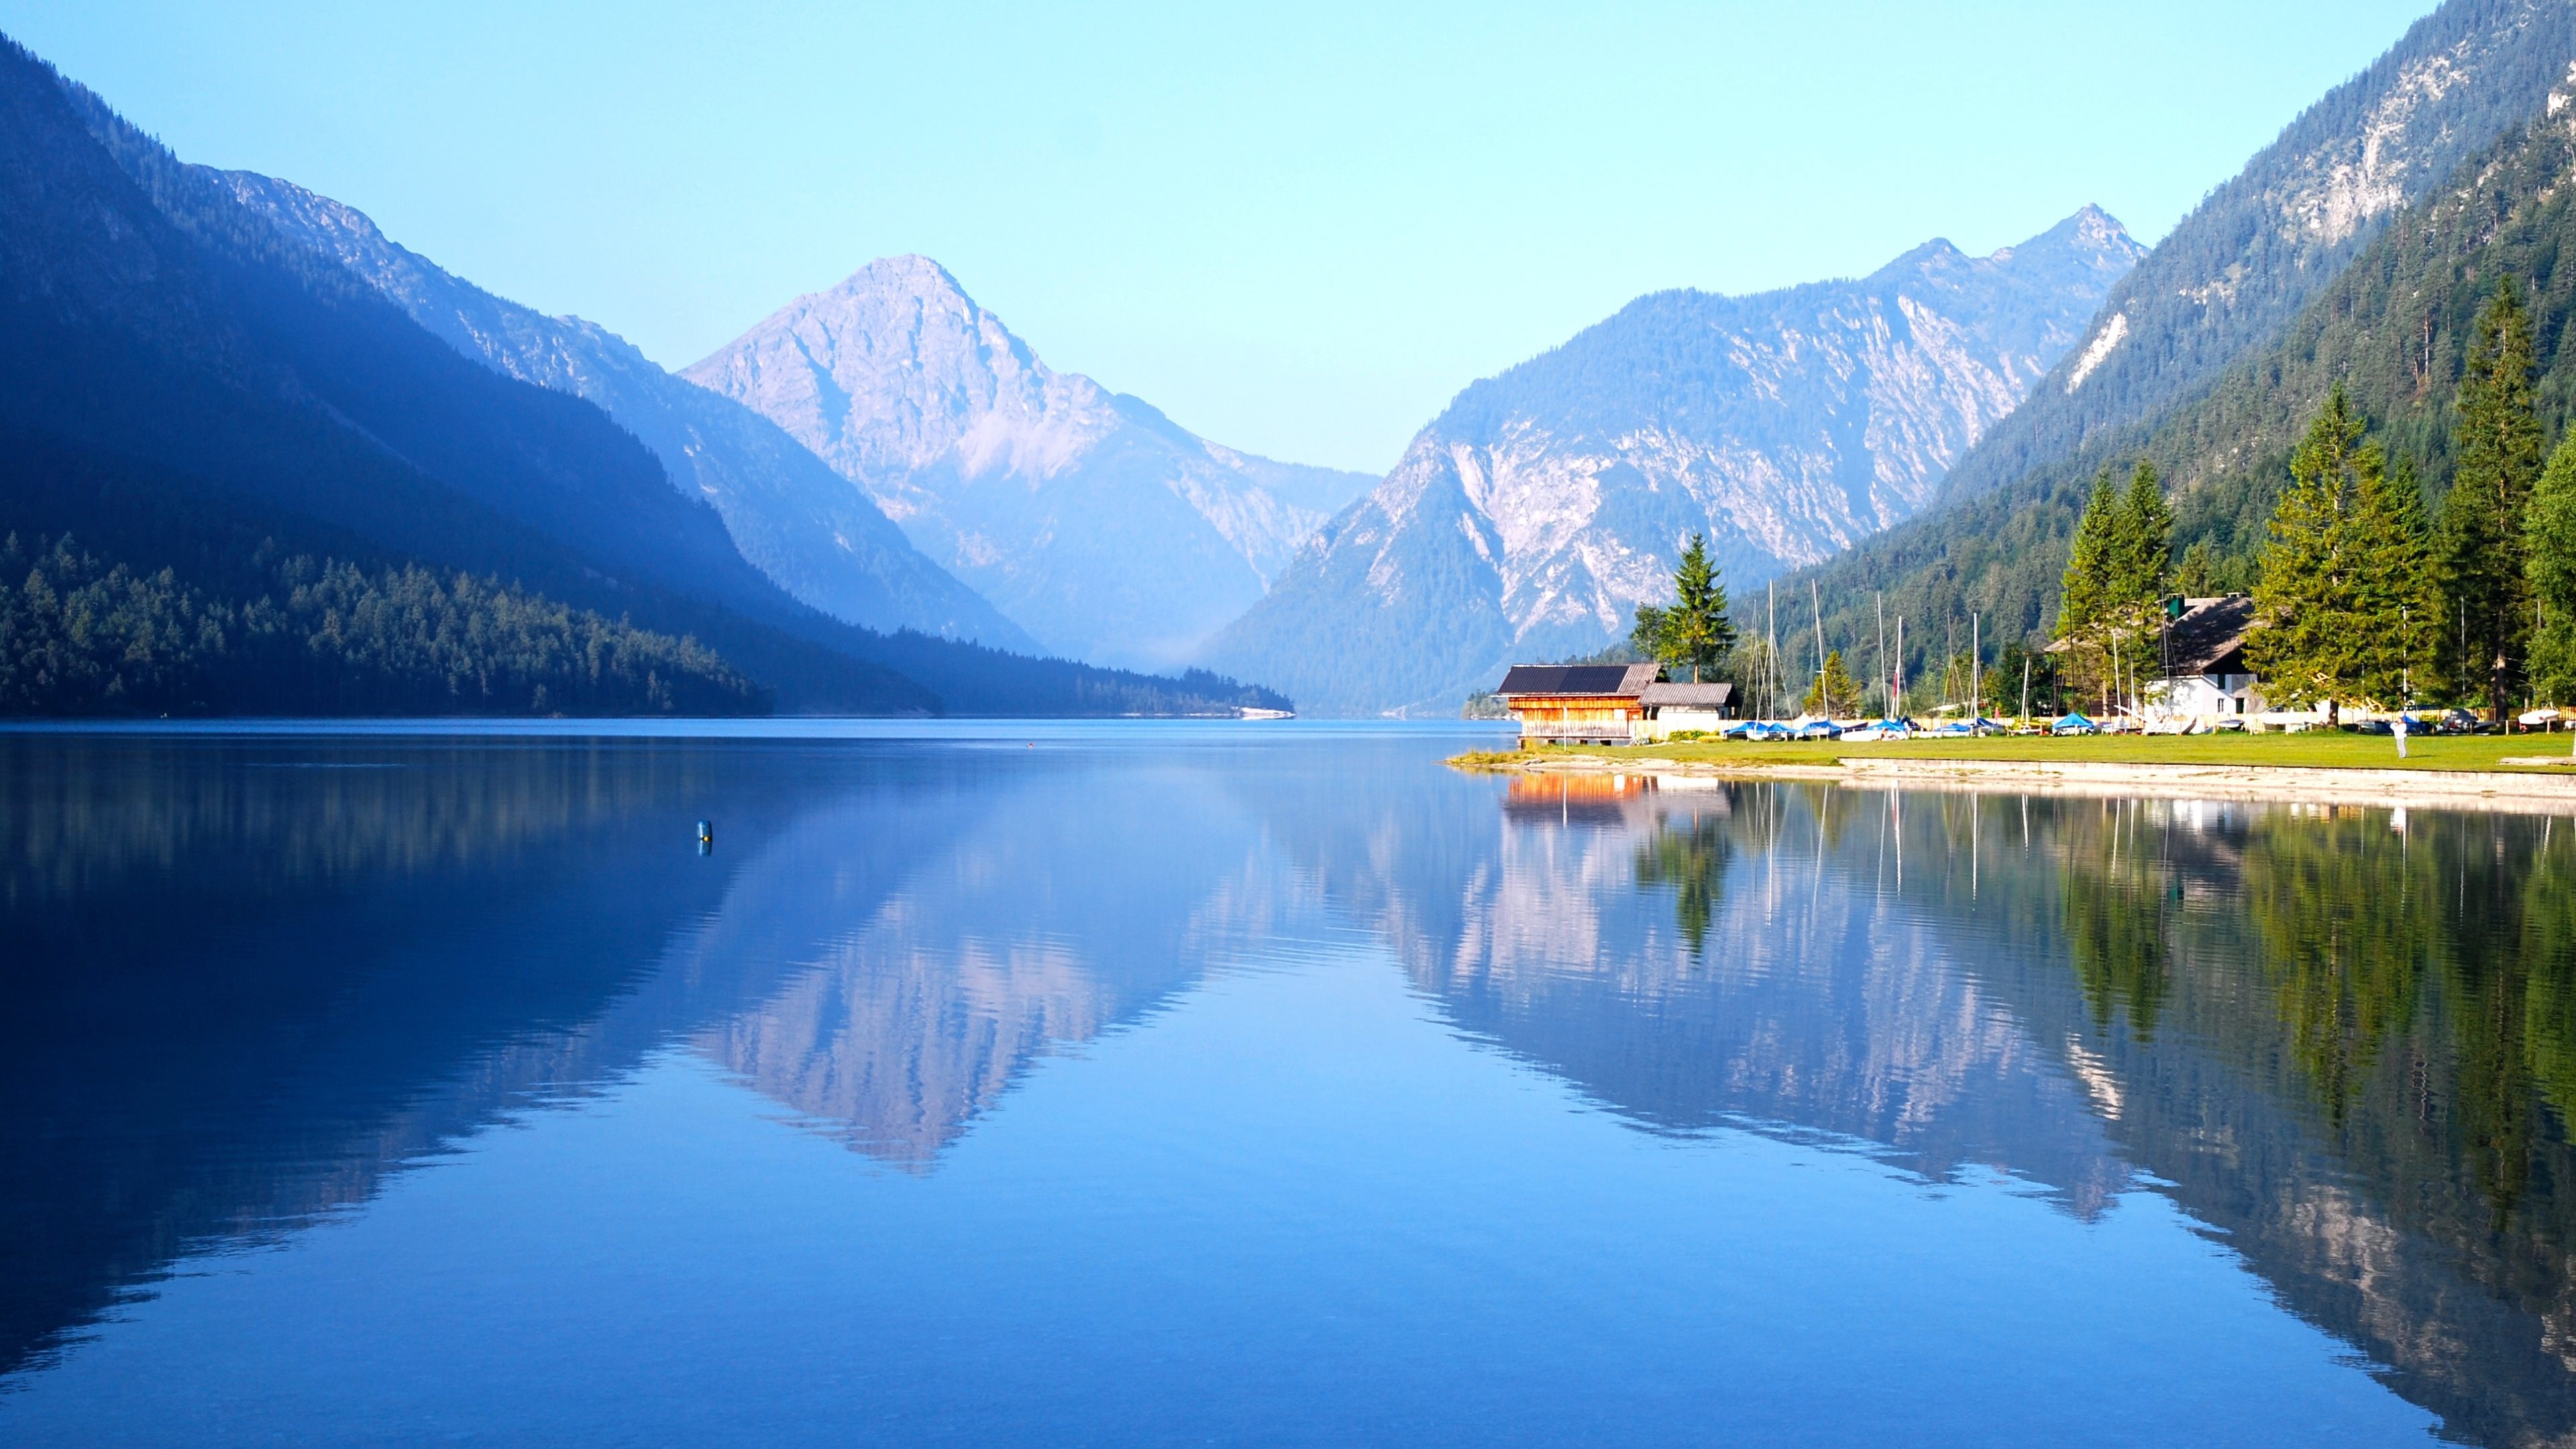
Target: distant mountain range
(2225, 286)
(185, 387)
(1100, 526)
(879, 499)
(793, 518)
(1531, 517)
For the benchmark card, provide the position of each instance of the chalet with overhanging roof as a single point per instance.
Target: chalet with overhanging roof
(2197, 668)
(2204, 651)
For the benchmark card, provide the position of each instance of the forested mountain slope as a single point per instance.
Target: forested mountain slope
(1094, 522)
(169, 366)
(2394, 330)
(1532, 516)
(2259, 252)
(182, 387)
(805, 526)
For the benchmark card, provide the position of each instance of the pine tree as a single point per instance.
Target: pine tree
(2088, 596)
(1646, 637)
(1835, 694)
(2119, 566)
(1695, 631)
(2406, 602)
(2143, 544)
(2549, 543)
(2344, 579)
(2480, 543)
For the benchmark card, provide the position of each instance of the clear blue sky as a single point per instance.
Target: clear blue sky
(1298, 232)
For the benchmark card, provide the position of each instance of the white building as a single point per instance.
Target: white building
(1672, 708)
(2202, 662)
(2196, 665)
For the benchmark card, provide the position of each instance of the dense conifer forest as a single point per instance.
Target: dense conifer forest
(81, 635)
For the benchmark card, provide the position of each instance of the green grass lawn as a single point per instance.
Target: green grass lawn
(2312, 749)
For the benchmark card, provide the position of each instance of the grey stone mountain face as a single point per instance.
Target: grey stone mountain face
(1096, 523)
(1532, 517)
(2260, 246)
(796, 520)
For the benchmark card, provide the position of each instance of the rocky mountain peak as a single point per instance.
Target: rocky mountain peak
(1532, 517)
(1098, 524)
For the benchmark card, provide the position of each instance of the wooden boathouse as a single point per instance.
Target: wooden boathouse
(1577, 704)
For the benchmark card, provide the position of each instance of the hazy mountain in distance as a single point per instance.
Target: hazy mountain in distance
(204, 402)
(1102, 527)
(186, 389)
(1529, 519)
(795, 519)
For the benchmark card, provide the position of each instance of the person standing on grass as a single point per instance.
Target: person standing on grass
(2398, 728)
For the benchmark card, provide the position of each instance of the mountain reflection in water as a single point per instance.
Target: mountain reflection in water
(251, 979)
(2344, 1040)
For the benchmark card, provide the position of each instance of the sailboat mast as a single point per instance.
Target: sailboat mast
(1823, 699)
(1771, 650)
(1886, 692)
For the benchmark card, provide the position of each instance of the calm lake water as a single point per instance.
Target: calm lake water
(1149, 1084)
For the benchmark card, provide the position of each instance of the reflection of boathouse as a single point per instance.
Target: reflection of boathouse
(1617, 801)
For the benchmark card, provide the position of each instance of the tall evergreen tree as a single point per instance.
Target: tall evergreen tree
(2144, 565)
(2343, 576)
(1694, 631)
(2143, 542)
(2549, 543)
(2088, 595)
(2408, 597)
(2120, 564)
(2480, 542)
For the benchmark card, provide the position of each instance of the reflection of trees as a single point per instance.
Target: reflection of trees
(1692, 859)
(2361, 1047)
(2115, 921)
(2348, 916)
(2417, 944)
(248, 980)
(2549, 956)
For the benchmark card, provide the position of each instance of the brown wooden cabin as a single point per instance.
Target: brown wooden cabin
(1577, 704)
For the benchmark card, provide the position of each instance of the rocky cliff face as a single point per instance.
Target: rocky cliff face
(1531, 518)
(2269, 239)
(797, 521)
(1099, 525)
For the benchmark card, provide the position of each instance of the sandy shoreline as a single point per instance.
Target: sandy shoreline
(2421, 789)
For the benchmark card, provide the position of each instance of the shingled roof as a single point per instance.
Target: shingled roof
(1687, 696)
(1582, 679)
(2205, 638)
(2208, 632)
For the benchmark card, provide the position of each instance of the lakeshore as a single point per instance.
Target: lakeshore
(2517, 773)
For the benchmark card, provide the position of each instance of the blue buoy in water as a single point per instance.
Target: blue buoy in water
(706, 838)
